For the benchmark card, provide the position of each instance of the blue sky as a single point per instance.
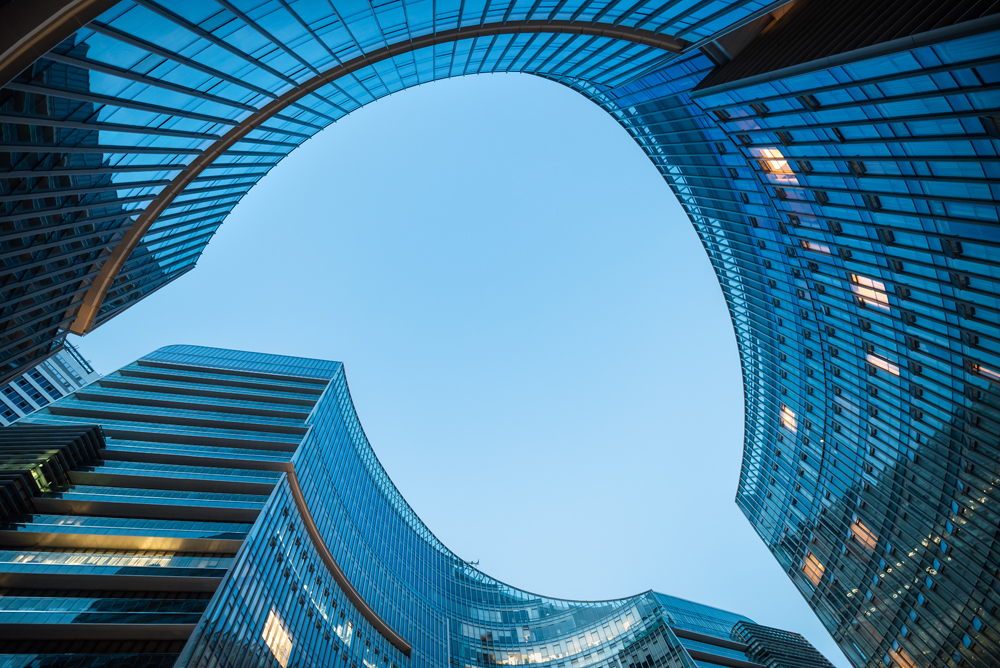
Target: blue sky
(534, 338)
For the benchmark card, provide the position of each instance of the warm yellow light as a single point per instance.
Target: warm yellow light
(813, 568)
(989, 373)
(277, 639)
(788, 419)
(817, 248)
(872, 291)
(865, 535)
(883, 364)
(904, 659)
(777, 164)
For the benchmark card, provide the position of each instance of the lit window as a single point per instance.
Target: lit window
(988, 373)
(813, 569)
(883, 364)
(903, 659)
(817, 248)
(872, 291)
(788, 419)
(865, 535)
(277, 639)
(776, 164)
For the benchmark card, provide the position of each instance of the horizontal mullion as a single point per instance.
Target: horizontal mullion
(218, 199)
(872, 102)
(892, 212)
(106, 314)
(65, 301)
(946, 393)
(149, 47)
(298, 121)
(179, 243)
(863, 141)
(104, 68)
(882, 120)
(37, 213)
(95, 234)
(880, 194)
(910, 74)
(896, 280)
(173, 226)
(207, 189)
(41, 333)
(170, 232)
(181, 214)
(271, 142)
(67, 192)
(21, 268)
(120, 102)
(895, 177)
(202, 230)
(84, 171)
(193, 244)
(266, 128)
(898, 327)
(45, 229)
(25, 147)
(27, 353)
(106, 127)
(49, 286)
(229, 177)
(884, 158)
(196, 30)
(727, 211)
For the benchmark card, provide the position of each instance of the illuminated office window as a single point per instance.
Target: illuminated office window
(988, 373)
(788, 419)
(865, 535)
(883, 364)
(775, 163)
(277, 639)
(817, 248)
(871, 291)
(813, 569)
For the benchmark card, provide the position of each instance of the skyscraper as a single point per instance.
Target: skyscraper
(228, 510)
(56, 377)
(839, 161)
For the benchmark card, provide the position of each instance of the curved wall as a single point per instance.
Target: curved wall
(444, 610)
(841, 174)
(148, 90)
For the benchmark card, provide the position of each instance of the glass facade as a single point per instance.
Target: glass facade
(230, 511)
(49, 380)
(839, 162)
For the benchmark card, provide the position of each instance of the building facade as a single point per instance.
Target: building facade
(205, 507)
(50, 380)
(839, 161)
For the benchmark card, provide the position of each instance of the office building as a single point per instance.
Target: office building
(206, 507)
(839, 161)
(50, 380)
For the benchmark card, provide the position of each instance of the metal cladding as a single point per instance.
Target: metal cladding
(233, 513)
(838, 160)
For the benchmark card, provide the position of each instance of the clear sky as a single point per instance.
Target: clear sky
(534, 338)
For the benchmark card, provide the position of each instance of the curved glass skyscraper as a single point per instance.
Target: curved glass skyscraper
(230, 511)
(838, 160)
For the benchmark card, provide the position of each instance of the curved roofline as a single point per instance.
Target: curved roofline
(449, 550)
(319, 543)
(94, 298)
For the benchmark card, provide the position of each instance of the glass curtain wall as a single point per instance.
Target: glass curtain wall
(838, 160)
